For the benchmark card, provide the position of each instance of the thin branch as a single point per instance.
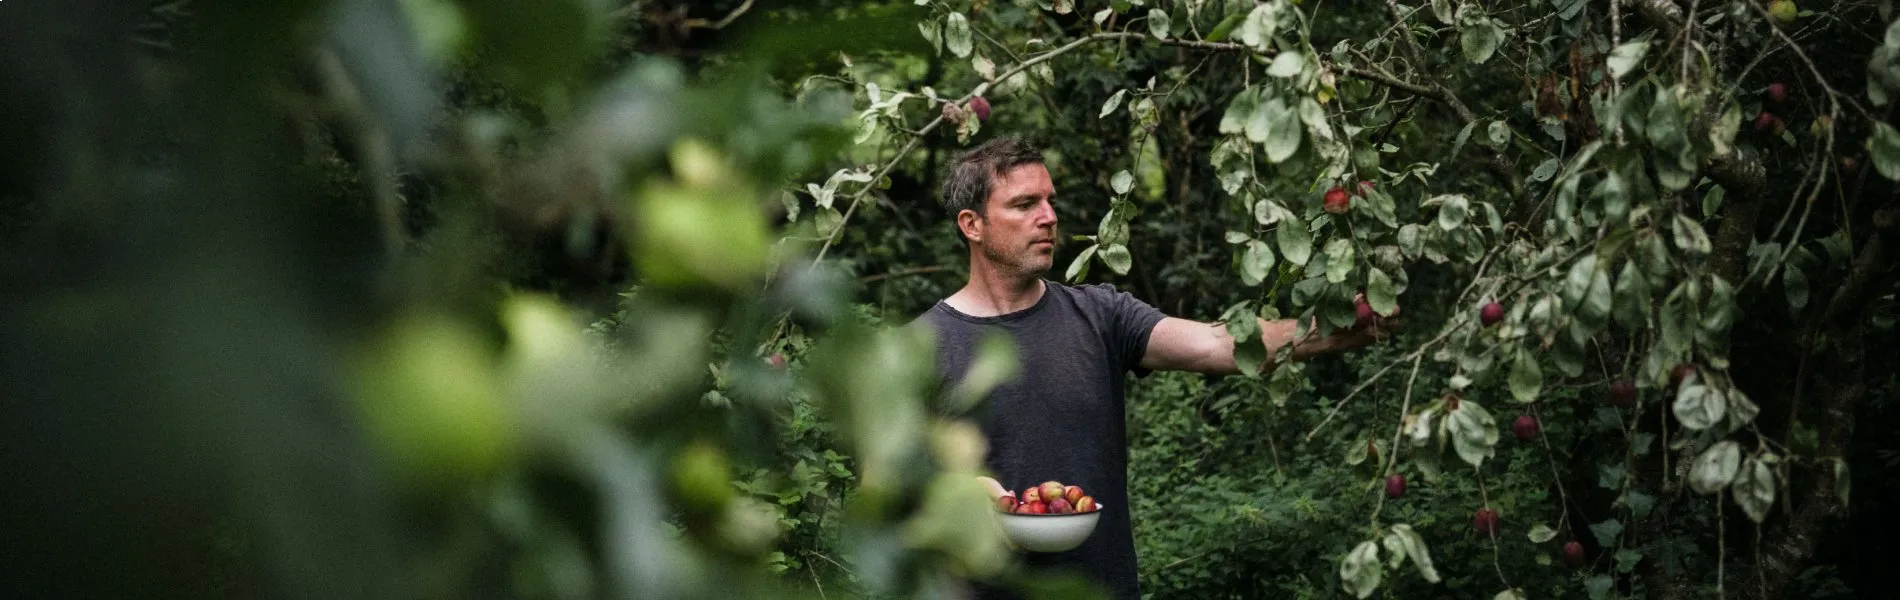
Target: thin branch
(1833, 96)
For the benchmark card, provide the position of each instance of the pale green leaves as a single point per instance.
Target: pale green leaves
(1884, 147)
(1296, 243)
(1158, 23)
(1542, 533)
(1478, 35)
(1339, 259)
(1080, 267)
(1526, 378)
(1256, 262)
(1287, 64)
(1689, 235)
(1625, 58)
(1754, 489)
(1883, 68)
(1360, 572)
(1117, 258)
(956, 35)
(1122, 181)
(1699, 406)
(1403, 543)
(1381, 292)
(1715, 468)
(1113, 103)
(1474, 434)
(1257, 31)
(1453, 209)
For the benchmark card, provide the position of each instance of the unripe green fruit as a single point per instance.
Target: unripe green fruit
(700, 474)
(1784, 11)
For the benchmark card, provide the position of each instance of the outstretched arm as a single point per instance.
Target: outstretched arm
(1185, 345)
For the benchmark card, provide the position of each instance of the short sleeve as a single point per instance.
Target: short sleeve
(1129, 322)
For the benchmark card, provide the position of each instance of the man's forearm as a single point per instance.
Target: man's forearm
(1277, 335)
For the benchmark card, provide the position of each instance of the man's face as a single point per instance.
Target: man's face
(1018, 228)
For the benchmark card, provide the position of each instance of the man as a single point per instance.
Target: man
(1075, 343)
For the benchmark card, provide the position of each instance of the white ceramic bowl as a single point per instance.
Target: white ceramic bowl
(1048, 533)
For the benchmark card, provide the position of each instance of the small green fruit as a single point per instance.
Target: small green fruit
(1784, 11)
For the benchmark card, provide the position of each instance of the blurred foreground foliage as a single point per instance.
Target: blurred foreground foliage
(479, 298)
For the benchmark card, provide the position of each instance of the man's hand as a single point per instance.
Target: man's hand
(1368, 331)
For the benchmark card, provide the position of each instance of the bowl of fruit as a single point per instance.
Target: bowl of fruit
(1048, 518)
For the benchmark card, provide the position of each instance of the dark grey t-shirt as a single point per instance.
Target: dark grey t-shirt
(1063, 417)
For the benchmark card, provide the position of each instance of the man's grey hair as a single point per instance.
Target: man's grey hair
(967, 183)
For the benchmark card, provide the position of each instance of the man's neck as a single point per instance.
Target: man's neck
(992, 292)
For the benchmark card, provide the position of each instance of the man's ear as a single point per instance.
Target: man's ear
(971, 224)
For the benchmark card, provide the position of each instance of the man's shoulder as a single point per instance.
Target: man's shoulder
(1088, 293)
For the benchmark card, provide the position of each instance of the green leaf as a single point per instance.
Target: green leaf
(1712, 202)
(1545, 170)
(1474, 434)
(1452, 210)
(1404, 542)
(1625, 57)
(1794, 284)
(1885, 149)
(1283, 137)
(1577, 282)
(1240, 111)
(1079, 268)
(1542, 533)
(1381, 293)
(1689, 235)
(1527, 379)
(1255, 262)
(1842, 482)
(1113, 103)
(1158, 23)
(1626, 560)
(1360, 572)
(1698, 407)
(1607, 532)
(1122, 181)
(1598, 586)
(1499, 133)
(1257, 31)
(1612, 194)
(1296, 243)
(1286, 64)
(1339, 259)
(956, 35)
(1715, 468)
(1235, 237)
(1117, 258)
(1479, 39)
(1631, 297)
(1754, 489)
(1718, 312)
(933, 33)
(1458, 143)
(1443, 10)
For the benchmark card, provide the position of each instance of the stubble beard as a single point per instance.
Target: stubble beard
(1028, 263)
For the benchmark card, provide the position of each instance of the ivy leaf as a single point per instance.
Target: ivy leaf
(1698, 407)
(1626, 57)
(1360, 571)
(1715, 468)
(1526, 379)
(1339, 259)
(1381, 293)
(1754, 489)
(1607, 532)
(1113, 103)
(1158, 23)
(1117, 258)
(1255, 262)
(1689, 235)
(1080, 267)
(1885, 149)
(956, 35)
(1296, 243)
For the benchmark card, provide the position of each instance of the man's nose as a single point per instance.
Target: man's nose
(1046, 217)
